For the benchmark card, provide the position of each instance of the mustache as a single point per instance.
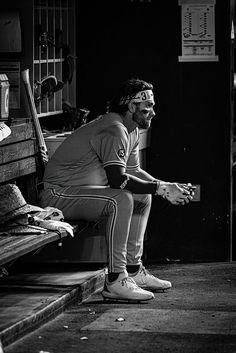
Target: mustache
(147, 111)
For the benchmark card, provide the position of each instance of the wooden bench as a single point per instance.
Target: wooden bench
(18, 165)
(14, 246)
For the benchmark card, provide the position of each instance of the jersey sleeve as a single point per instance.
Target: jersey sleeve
(111, 146)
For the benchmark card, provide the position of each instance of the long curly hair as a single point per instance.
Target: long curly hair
(127, 90)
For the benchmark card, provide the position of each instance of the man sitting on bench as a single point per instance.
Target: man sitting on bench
(95, 172)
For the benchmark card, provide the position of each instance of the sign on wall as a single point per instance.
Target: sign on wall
(198, 30)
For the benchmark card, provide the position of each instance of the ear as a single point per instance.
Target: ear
(131, 107)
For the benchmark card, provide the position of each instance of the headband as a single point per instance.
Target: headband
(141, 96)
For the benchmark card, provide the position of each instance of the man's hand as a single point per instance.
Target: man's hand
(176, 193)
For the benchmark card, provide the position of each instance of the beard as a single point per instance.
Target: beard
(141, 121)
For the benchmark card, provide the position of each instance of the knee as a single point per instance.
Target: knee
(143, 201)
(125, 200)
(147, 200)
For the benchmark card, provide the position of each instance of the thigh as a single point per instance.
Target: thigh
(80, 202)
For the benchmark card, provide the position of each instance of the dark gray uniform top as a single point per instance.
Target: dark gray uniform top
(81, 158)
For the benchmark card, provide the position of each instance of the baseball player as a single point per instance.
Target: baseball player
(95, 172)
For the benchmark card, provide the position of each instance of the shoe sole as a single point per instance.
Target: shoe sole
(124, 300)
(156, 290)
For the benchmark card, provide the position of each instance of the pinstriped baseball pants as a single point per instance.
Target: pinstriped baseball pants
(127, 215)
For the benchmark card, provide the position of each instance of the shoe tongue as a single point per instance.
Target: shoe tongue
(123, 275)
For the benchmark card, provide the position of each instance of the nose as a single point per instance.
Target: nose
(152, 113)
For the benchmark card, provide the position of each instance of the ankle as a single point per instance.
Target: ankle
(133, 269)
(112, 276)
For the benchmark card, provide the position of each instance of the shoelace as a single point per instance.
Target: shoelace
(145, 272)
(130, 280)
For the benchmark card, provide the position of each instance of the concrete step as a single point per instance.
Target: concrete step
(30, 299)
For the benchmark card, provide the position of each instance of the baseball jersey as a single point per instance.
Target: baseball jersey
(81, 158)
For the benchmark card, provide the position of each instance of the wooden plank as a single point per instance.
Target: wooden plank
(17, 169)
(20, 132)
(19, 245)
(13, 152)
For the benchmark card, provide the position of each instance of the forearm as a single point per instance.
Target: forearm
(140, 182)
(138, 185)
(141, 174)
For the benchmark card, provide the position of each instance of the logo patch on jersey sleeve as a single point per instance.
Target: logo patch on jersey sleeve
(121, 153)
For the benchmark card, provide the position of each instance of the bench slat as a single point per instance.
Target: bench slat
(20, 132)
(17, 169)
(20, 245)
(17, 151)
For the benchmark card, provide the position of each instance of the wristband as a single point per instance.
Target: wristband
(157, 187)
(123, 185)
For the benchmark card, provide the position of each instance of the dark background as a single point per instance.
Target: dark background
(190, 136)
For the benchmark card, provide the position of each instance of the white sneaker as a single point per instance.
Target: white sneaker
(125, 288)
(145, 280)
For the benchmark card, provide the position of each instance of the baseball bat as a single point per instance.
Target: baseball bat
(41, 142)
